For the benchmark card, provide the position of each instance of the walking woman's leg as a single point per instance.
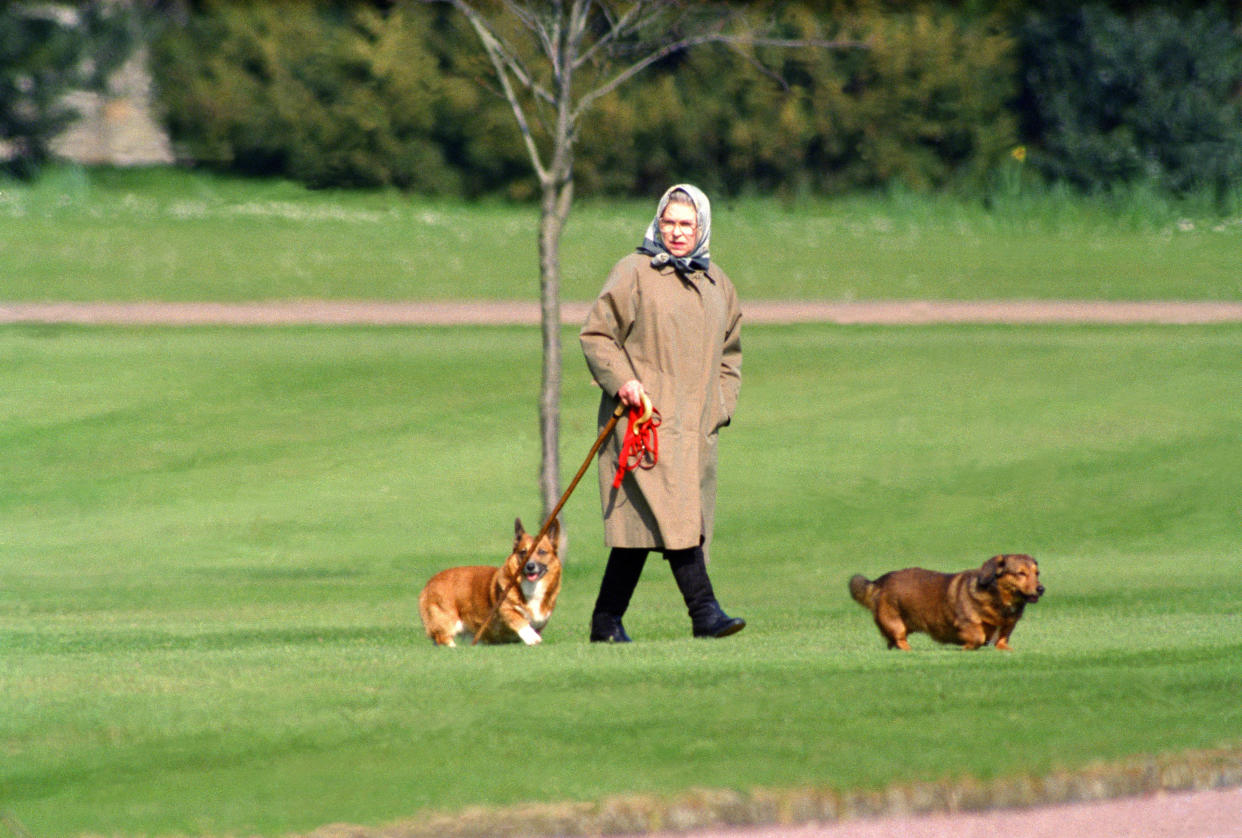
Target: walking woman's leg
(625, 566)
(706, 616)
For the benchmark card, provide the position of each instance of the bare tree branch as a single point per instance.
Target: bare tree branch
(539, 28)
(495, 53)
(579, 18)
(522, 13)
(797, 43)
(759, 66)
(616, 30)
(499, 50)
(736, 41)
(589, 99)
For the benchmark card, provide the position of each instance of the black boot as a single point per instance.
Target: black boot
(607, 628)
(707, 618)
(621, 575)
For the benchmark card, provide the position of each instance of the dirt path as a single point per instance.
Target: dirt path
(1199, 814)
(516, 312)
(1209, 807)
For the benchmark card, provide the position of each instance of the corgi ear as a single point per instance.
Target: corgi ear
(989, 571)
(518, 532)
(554, 533)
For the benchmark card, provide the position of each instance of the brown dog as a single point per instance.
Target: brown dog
(970, 608)
(455, 602)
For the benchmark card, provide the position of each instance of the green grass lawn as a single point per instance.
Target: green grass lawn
(100, 234)
(213, 542)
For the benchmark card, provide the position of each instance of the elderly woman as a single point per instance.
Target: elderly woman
(665, 327)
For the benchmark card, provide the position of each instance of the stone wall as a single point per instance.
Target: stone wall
(117, 127)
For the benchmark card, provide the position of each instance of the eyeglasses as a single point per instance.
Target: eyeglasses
(669, 225)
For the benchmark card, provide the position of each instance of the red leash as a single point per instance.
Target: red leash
(641, 447)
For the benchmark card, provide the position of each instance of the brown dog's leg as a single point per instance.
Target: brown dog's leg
(440, 637)
(891, 626)
(435, 619)
(973, 636)
(519, 625)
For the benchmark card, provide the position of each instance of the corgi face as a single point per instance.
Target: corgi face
(538, 569)
(531, 565)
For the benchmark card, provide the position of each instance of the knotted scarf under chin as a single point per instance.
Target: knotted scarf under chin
(682, 264)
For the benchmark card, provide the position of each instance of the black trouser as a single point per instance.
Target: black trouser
(625, 566)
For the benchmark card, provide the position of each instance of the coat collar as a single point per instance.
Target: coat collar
(694, 278)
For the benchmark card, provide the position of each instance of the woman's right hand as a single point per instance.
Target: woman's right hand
(631, 393)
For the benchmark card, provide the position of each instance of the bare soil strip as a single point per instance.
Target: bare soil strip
(1197, 814)
(379, 313)
(1188, 795)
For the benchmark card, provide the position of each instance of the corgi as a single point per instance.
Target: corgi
(456, 602)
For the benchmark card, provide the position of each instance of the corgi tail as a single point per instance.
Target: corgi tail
(863, 591)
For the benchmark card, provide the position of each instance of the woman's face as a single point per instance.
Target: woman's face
(679, 227)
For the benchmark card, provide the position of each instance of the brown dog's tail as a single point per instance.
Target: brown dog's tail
(863, 591)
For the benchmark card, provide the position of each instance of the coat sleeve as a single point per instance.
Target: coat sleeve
(607, 325)
(731, 357)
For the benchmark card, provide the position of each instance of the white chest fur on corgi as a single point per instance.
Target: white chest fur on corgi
(457, 601)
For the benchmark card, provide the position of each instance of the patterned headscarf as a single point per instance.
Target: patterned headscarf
(653, 243)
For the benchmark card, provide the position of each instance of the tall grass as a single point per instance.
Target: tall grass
(164, 234)
(214, 538)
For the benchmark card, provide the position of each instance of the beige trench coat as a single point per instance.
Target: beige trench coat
(681, 339)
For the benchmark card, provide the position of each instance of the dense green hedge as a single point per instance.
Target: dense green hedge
(1151, 98)
(324, 97)
(345, 94)
(923, 102)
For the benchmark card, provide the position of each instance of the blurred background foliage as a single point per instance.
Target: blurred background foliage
(976, 95)
(1149, 97)
(46, 51)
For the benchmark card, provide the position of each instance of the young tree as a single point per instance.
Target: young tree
(553, 61)
(46, 50)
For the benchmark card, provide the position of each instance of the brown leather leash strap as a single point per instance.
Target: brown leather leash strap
(603, 435)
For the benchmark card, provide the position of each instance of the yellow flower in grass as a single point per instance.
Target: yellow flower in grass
(1019, 153)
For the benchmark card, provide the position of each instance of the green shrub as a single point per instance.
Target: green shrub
(327, 97)
(1109, 99)
(918, 98)
(337, 95)
(927, 105)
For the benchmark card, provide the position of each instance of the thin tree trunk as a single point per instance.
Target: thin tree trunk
(557, 186)
(550, 225)
(554, 211)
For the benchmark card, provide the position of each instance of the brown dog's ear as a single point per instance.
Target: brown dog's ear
(990, 570)
(518, 532)
(554, 533)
